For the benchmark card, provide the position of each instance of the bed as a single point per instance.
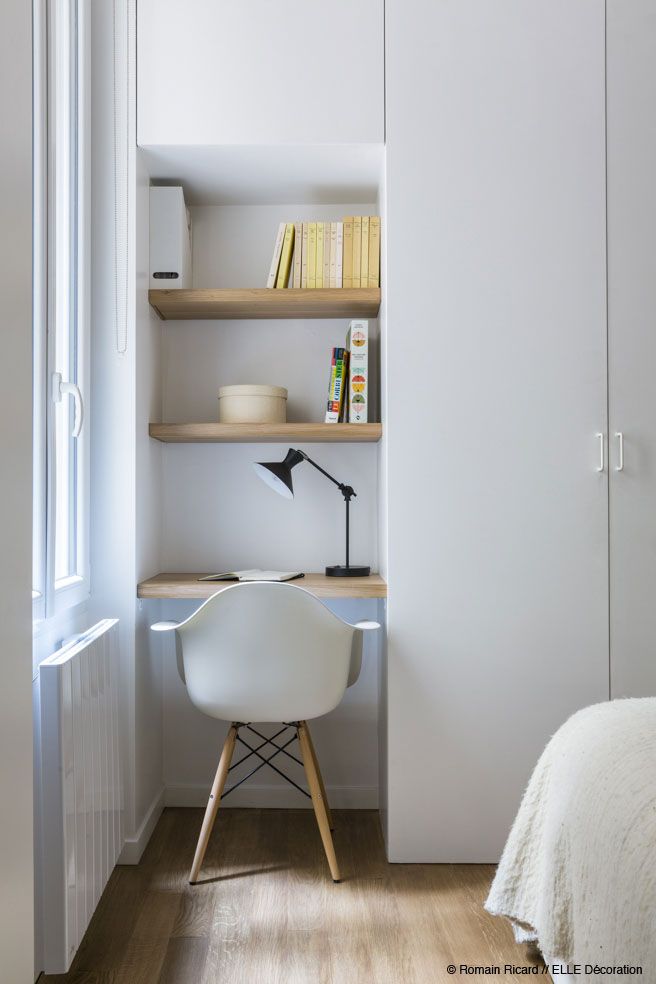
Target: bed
(578, 873)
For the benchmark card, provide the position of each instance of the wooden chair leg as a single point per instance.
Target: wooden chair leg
(213, 802)
(317, 799)
(319, 776)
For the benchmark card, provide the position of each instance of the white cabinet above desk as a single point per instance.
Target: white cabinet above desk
(302, 72)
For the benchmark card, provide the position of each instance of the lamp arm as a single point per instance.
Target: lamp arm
(346, 490)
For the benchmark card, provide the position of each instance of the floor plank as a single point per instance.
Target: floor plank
(266, 910)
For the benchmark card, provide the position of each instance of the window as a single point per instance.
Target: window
(61, 307)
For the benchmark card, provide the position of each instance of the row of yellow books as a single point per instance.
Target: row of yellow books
(327, 254)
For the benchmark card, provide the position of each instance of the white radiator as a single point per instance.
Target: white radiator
(81, 792)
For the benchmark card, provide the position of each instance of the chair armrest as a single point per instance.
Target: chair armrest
(164, 626)
(356, 649)
(169, 627)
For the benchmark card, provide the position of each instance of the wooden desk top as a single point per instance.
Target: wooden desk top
(188, 586)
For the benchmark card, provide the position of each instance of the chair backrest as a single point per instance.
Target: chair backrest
(265, 652)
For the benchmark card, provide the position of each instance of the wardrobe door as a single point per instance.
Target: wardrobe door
(496, 389)
(631, 54)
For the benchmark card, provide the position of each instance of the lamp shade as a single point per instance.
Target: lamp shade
(278, 474)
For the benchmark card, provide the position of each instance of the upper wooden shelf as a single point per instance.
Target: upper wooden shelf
(188, 586)
(193, 305)
(265, 433)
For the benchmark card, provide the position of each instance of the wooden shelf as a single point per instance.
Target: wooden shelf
(192, 305)
(188, 586)
(265, 433)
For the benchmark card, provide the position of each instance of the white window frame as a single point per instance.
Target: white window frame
(58, 51)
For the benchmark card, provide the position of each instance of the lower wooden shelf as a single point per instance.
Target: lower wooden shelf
(188, 586)
(265, 433)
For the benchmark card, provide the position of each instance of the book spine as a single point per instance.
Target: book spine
(312, 254)
(339, 252)
(364, 253)
(347, 261)
(326, 254)
(339, 387)
(357, 342)
(331, 386)
(304, 256)
(357, 245)
(318, 282)
(335, 394)
(298, 254)
(333, 254)
(343, 408)
(374, 251)
(275, 259)
(286, 257)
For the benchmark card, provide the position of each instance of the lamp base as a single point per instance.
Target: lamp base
(340, 571)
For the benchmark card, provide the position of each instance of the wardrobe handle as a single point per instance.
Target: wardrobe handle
(601, 465)
(620, 448)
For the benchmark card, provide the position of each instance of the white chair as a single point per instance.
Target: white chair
(265, 652)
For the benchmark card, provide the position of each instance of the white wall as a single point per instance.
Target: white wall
(383, 514)
(346, 740)
(16, 844)
(215, 510)
(112, 416)
(216, 514)
(148, 511)
(124, 467)
(259, 73)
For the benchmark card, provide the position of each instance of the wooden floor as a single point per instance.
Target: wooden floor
(267, 912)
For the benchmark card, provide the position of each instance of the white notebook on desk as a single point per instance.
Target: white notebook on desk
(253, 575)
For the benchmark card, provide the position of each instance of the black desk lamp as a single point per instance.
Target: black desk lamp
(278, 475)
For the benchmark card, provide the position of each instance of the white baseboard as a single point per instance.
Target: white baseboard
(133, 847)
(275, 797)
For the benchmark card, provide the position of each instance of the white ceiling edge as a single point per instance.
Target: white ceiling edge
(266, 175)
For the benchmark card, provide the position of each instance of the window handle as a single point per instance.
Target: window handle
(620, 444)
(60, 389)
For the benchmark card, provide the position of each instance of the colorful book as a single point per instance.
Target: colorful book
(339, 251)
(312, 254)
(275, 259)
(298, 254)
(364, 253)
(286, 257)
(304, 256)
(331, 386)
(357, 343)
(319, 262)
(357, 246)
(336, 386)
(343, 410)
(326, 253)
(333, 254)
(342, 392)
(347, 259)
(374, 251)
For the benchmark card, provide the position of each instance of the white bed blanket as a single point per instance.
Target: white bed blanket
(578, 873)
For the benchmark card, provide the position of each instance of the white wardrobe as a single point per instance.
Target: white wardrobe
(521, 283)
